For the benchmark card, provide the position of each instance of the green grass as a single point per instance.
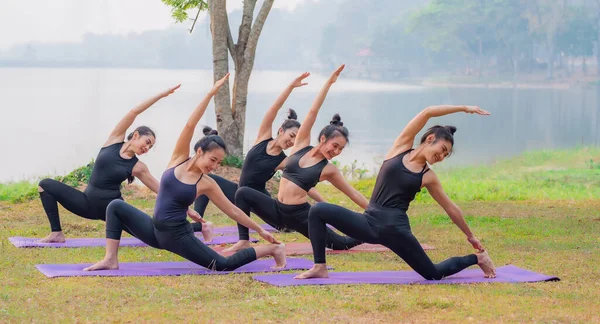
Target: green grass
(539, 229)
(541, 175)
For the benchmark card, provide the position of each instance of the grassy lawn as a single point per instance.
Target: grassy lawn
(539, 211)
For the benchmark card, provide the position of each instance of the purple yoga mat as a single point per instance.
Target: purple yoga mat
(128, 269)
(234, 229)
(26, 242)
(507, 273)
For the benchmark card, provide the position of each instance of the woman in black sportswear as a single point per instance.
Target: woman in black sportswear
(304, 168)
(403, 173)
(116, 162)
(180, 184)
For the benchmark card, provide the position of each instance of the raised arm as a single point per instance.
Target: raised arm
(118, 133)
(434, 187)
(265, 130)
(182, 147)
(303, 136)
(406, 138)
(335, 177)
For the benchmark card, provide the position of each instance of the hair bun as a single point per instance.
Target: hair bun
(292, 114)
(451, 129)
(336, 120)
(209, 131)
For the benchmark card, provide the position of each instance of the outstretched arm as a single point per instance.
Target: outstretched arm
(434, 187)
(118, 133)
(140, 170)
(303, 136)
(335, 177)
(182, 147)
(407, 136)
(265, 130)
(316, 195)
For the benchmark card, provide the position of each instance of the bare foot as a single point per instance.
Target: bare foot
(54, 237)
(279, 256)
(207, 231)
(317, 271)
(106, 264)
(240, 245)
(486, 264)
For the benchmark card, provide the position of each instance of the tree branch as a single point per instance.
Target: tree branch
(230, 43)
(246, 24)
(259, 22)
(200, 8)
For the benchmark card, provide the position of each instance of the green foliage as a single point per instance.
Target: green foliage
(578, 36)
(233, 161)
(180, 7)
(593, 164)
(16, 192)
(354, 172)
(78, 176)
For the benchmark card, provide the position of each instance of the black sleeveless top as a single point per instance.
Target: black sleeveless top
(305, 178)
(396, 186)
(110, 170)
(259, 166)
(174, 197)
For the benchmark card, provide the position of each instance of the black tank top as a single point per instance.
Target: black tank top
(174, 197)
(396, 186)
(305, 178)
(259, 166)
(110, 170)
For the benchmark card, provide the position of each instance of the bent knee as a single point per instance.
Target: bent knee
(42, 185)
(115, 205)
(318, 210)
(242, 192)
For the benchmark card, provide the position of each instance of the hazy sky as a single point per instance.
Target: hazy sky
(67, 20)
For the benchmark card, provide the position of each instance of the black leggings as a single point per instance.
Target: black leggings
(229, 188)
(176, 237)
(384, 226)
(72, 199)
(283, 216)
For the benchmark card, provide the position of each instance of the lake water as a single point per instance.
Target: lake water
(53, 120)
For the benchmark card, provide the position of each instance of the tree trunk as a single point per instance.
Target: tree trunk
(598, 49)
(245, 55)
(515, 62)
(480, 58)
(225, 123)
(231, 116)
(550, 72)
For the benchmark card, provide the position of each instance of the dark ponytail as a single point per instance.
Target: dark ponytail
(142, 130)
(210, 141)
(209, 131)
(440, 132)
(291, 121)
(335, 128)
